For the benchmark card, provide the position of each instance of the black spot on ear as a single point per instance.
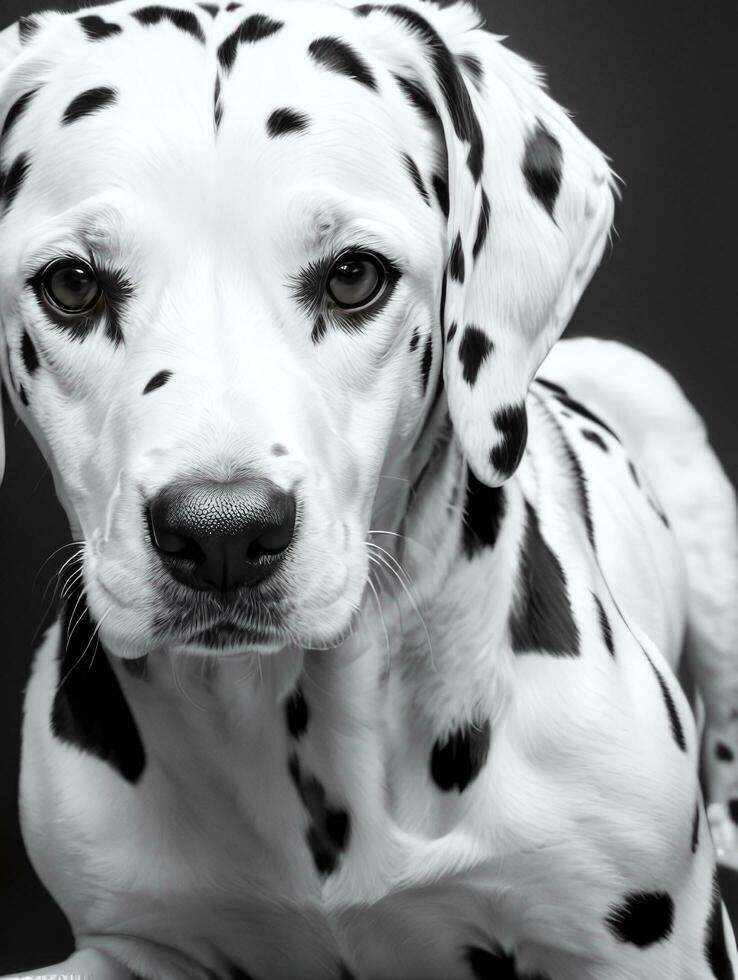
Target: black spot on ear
(16, 111)
(441, 188)
(484, 510)
(412, 169)
(425, 364)
(498, 965)
(286, 121)
(604, 625)
(418, 97)
(157, 381)
(89, 710)
(14, 179)
(28, 353)
(482, 226)
(297, 713)
(724, 752)
(209, 8)
(542, 166)
(696, 827)
(512, 424)
(474, 349)
(459, 758)
(98, 29)
(542, 620)
(336, 55)
(22, 394)
(473, 65)
(585, 412)
(552, 386)
(329, 828)
(254, 28)
(642, 918)
(676, 726)
(137, 668)
(88, 102)
(183, 20)
(319, 329)
(716, 952)
(27, 27)
(456, 260)
(596, 438)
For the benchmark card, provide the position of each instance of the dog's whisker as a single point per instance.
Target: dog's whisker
(381, 619)
(415, 607)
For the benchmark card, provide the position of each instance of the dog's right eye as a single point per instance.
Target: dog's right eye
(70, 286)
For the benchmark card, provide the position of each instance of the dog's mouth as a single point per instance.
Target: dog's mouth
(229, 636)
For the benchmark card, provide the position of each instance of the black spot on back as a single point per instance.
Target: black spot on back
(16, 111)
(183, 20)
(456, 260)
(98, 29)
(28, 353)
(542, 620)
(93, 100)
(642, 918)
(338, 56)
(482, 226)
(329, 827)
(157, 381)
(14, 179)
(298, 714)
(474, 349)
(484, 511)
(286, 121)
(459, 758)
(89, 710)
(595, 438)
(441, 188)
(254, 28)
(512, 424)
(604, 625)
(542, 166)
(716, 952)
(676, 726)
(412, 169)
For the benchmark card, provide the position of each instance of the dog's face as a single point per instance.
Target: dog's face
(229, 280)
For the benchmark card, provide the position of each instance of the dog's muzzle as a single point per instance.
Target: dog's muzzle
(217, 537)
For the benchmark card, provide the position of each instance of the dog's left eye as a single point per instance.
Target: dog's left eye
(70, 286)
(355, 279)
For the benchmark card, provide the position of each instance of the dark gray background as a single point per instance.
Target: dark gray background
(653, 85)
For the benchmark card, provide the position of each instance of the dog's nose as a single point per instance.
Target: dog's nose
(218, 536)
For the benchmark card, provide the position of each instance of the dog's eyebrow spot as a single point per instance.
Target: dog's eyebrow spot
(425, 364)
(441, 188)
(512, 424)
(604, 625)
(474, 349)
(209, 8)
(642, 918)
(98, 29)
(297, 713)
(183, 20)
(286, 121)
(13, 180)
(27, 27)
(157, 381)
(278, 449)
(482, 226)
(459, 758)
(16, 111)
(336, 55)
(484, 511)
(412, 168)
(596, 438)
(89, 102)
(542, 166)
(456, 260)
(254, 28)
(542, 621)
(29, 354)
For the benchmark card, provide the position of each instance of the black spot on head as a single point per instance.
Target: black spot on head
(676, 726)
(157, 381)
(137, 668)
(28, 353)
(459, 758)
(482, 226)
(604, 625)
(89, 710)
(418, 97)
(338, 56)
(93, 100)
(329, 828)
(183, 20)
(542, 166)
(456, 260)
(254, 28)
(425, 364)
(286, 121)
(209, 8)
(22, 394)
(412, 169)
(716, 951)
(596, 438)
(474, 349)
(16, 111)
(642, 918)
(696, 827)
(27, 27)
(14, 179)
(297, 713)
(542, 620)
(98, 29)
(724, 752)
(441, 188)
(512, 424)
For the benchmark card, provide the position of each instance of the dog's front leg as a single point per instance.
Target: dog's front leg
(85, 964)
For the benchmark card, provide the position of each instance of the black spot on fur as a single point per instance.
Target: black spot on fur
(585, 412)
(338, 56)
(329, 828)
(27, 27)
(542, 166)
(233, 6)
(552, 386)
(634, 473)
(415, 338)
(209, 8)
(658, 511)
(286, 121)
(183, 20)
(15, 178)
(254, 28)
(676, 726)
(696, 827)
(89, 710)
(604, 625)
(456, 260)
(98, 29)
(217, 104)
(580, 482)
(28, 353)
(724, 752)
(418, 97)
(474, 349)
(93, 100)
(542, 620)
(716, 952)
(596, 438)
(16, 111)
(441, 188)
(484, 510)
(451, 332)
(157, 381)
(297, 713)
(459, 758)
(22, 394)
(512, 424)
(482, 226)
(319, 329)
(137, 668)
(498, 965)
(412, 169)
(642, 918)
(425, 364)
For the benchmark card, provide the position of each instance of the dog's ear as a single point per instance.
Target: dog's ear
(531, 204)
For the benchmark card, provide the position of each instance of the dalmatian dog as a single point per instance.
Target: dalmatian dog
(365, 665)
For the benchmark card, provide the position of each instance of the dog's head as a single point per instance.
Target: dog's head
(241, 248)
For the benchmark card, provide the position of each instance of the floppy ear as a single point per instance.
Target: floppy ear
(531, 203)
